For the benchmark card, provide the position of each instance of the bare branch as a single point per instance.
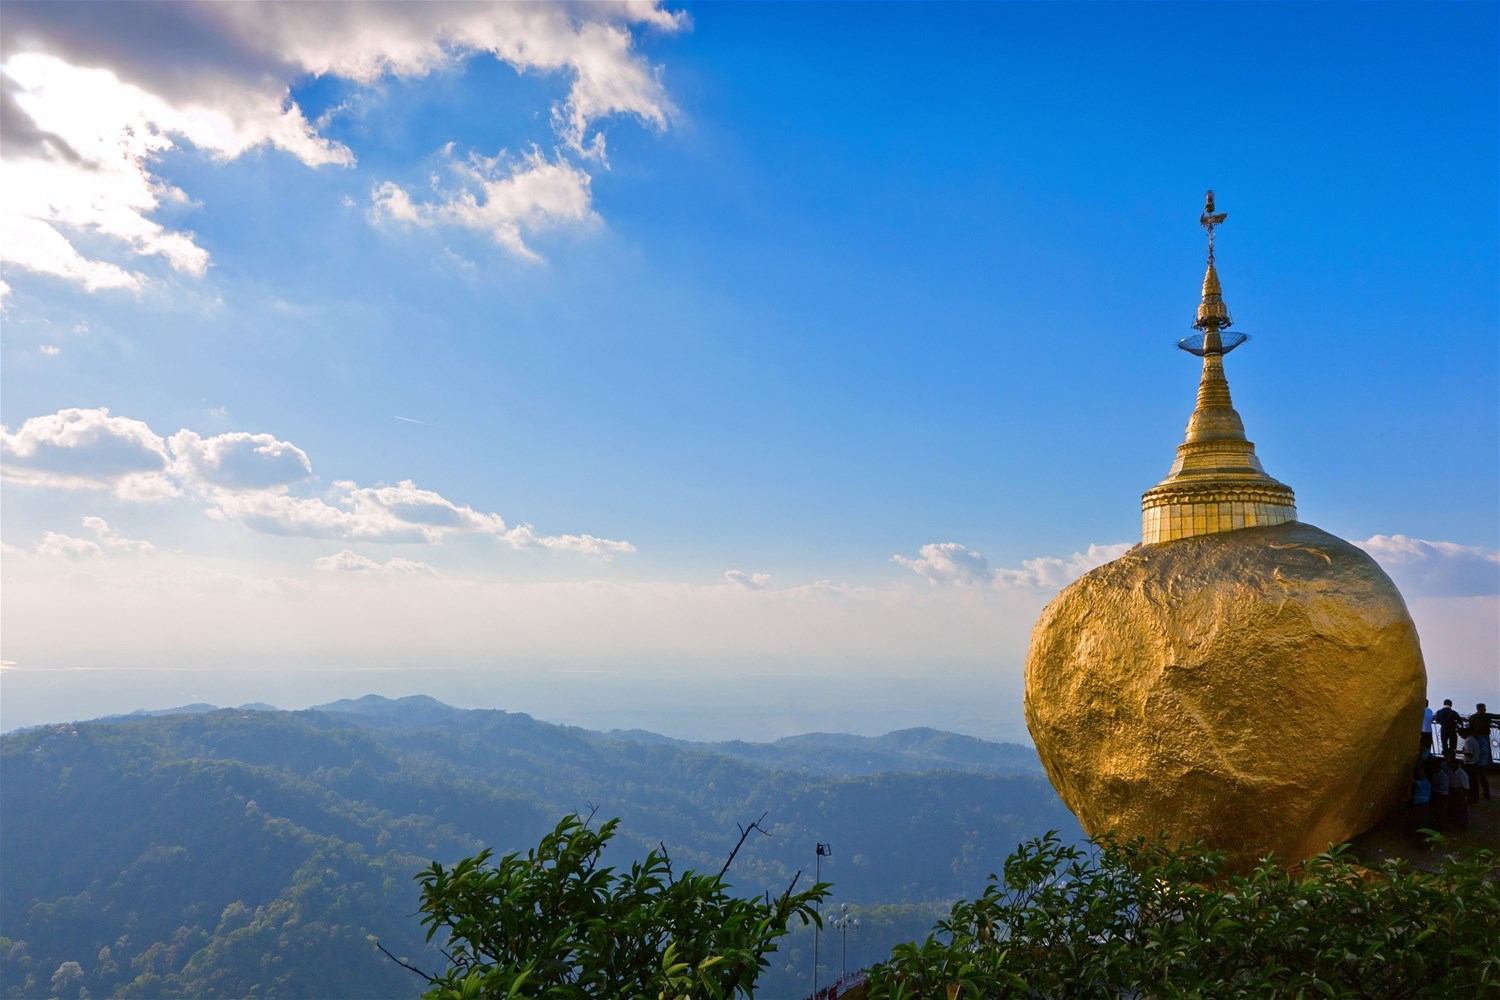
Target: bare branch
(667, 860)
(744, 833)
(792, 885)
(404, 965)
(588, 821)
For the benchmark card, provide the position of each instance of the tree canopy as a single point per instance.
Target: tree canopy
(553, 923)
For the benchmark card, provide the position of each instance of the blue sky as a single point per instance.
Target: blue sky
(742, 368)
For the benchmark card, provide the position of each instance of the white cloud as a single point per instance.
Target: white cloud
(352, 562)
(405, 504)
(390, 514)
(93, 175)
(591, 41)
(949, 563)
(112, 539)
(750, 581)
(953, 564)
(502, 200)
(239, 461)
(89, 449)
(524, 536)
(311, 517)
(249, 478)
(50, 350)
(1436, 569)
(1052, 573)
(92, 103)
(56, 546)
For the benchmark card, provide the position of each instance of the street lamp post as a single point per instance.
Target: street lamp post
(843, 922)
(823, 851)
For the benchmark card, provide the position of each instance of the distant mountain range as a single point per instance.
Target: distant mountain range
(227, 852)
(908, 750)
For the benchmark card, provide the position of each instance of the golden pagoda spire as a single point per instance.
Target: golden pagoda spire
(1217, 483)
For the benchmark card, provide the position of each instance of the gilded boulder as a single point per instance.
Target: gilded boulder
(1260, 689)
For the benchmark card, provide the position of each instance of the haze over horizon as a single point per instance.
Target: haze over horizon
(723, 370)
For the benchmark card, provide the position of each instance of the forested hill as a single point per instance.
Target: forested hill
(237, 852)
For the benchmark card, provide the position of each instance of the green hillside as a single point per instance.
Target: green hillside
(260, 853)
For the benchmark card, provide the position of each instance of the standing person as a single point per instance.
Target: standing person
(1425, 747)
(1483, 721)
(1421, 801)
(1458, 792)
(1476, 762)
(1438, 775)
(1447, 720)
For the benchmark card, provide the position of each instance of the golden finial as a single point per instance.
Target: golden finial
(1213, 314)
(1208, 220)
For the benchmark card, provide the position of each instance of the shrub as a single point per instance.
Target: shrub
(1152, 920)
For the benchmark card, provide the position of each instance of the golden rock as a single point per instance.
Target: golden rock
(1241, 677)
(1260, 689)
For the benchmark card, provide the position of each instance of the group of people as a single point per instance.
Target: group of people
(1447, 782)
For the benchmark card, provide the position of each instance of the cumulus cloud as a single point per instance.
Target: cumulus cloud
(110, 538)
(249, 478)
(313, 517)
(1052, 573)
(400, 513)
(104, 185)
(403, 513)
(240, 461)
(348, 561)
(89, 449)
(1436, 569)
(57, 546)
(496, 198)
(954, 564)
(592, 42)
(406, 504)
(750, 581)
(524, 536)
(949, 563)
(91, 103)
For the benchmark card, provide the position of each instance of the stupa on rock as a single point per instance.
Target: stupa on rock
(1241, 677)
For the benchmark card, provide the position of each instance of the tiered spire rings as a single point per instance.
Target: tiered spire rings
(1217, 483)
